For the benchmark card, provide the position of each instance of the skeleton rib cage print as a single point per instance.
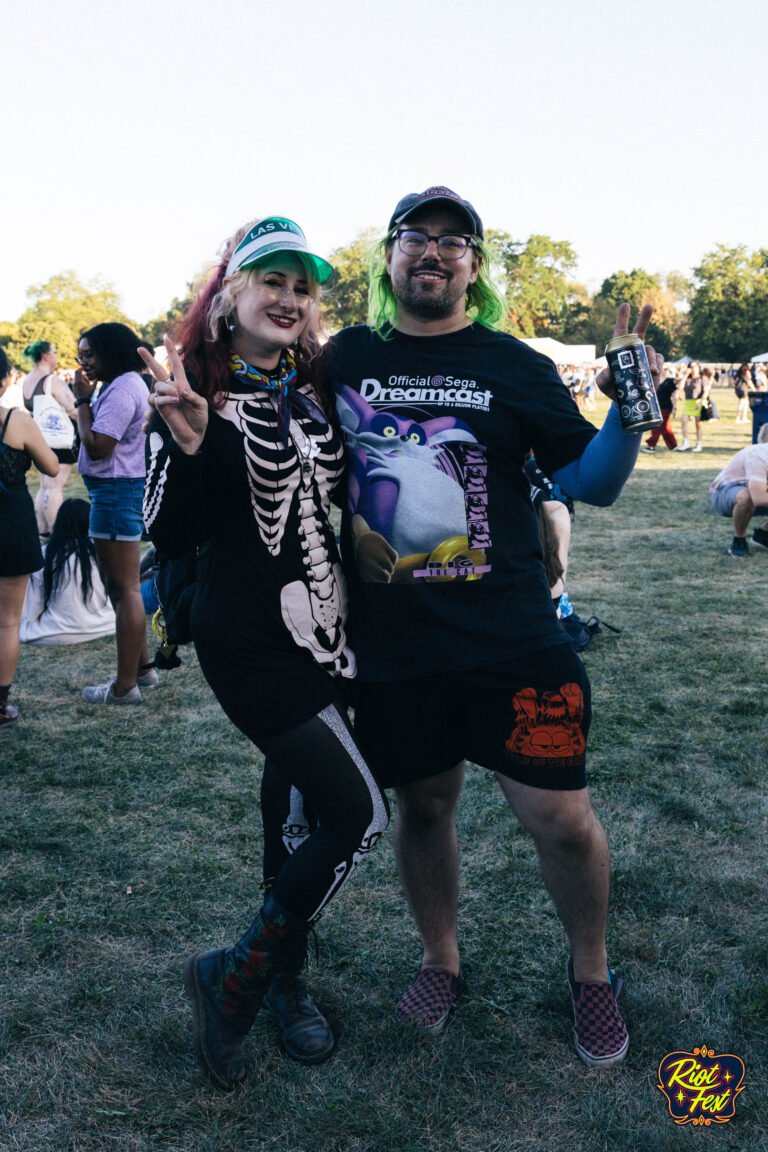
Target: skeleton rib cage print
(290, 482)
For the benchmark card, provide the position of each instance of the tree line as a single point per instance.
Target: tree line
(718, 314)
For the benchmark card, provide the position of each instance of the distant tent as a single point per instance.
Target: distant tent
(562, 353)
(682, 360)
(761, 359)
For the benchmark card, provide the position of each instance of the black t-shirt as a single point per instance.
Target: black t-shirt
(665, 392)
(440, 539)
(269, 587)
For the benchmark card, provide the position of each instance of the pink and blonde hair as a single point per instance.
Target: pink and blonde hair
(203, 337)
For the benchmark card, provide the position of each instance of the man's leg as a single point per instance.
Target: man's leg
(427, 857)
(743, 511)
(575, 864)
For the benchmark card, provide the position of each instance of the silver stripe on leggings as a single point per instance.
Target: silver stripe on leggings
(332, 719)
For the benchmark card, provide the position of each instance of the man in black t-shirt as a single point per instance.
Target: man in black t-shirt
(459, 648)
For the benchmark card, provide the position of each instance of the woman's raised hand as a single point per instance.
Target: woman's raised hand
(185, 413)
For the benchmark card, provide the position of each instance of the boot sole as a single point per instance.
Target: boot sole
(196, 995)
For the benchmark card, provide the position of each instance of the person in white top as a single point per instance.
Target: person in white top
(66, 602)
(741, 491)
(43, 380)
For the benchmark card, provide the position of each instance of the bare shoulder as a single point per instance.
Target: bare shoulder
(21, 418)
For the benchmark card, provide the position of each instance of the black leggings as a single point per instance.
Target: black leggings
(319, 762)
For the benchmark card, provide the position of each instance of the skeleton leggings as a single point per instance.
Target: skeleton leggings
(319, 761)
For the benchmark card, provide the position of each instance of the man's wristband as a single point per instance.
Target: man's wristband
(82, 400)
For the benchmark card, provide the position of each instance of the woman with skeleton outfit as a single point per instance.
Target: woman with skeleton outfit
(243, 456)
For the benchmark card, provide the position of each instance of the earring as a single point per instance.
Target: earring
(231, 325)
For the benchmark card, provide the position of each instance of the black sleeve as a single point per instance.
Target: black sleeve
(174, 493)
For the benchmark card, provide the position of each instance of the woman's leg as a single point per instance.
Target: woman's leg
(227, 986)
(12, 589)
(321, 760)
(50, 496)
(286, 818)
(119, 562)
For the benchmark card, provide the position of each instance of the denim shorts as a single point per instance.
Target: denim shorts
(724, 498)
(116, 507)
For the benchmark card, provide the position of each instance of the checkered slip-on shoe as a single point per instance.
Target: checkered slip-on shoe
(428, 1001)
(599, 1033)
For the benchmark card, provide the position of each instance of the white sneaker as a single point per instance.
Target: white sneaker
(104, 694)
(683, 447)
(697, 448)
(148, 679)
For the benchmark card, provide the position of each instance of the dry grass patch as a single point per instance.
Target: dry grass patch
(95, 1038)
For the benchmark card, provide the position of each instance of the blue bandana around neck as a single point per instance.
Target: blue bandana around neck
(284, 383)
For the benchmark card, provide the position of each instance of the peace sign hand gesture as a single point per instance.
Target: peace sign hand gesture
(185, 413)
(604, 380)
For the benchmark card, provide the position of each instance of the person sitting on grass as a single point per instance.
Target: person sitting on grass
(741, 491)
(66, 602)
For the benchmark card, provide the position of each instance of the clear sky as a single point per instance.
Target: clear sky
(137, 136)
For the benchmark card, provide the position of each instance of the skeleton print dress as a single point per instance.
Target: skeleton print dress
(269, 607)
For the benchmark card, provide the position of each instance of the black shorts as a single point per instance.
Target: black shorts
(527, 719)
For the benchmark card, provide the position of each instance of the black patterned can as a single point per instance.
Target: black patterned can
(635, 393)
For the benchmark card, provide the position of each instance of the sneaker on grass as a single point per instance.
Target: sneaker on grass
(148, 678)
(739, 548)
(599, 1033)
(428, 1001)
(104, 694)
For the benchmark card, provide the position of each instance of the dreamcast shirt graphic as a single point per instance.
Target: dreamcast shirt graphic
(418, 483)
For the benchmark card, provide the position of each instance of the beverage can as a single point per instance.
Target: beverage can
(635, 394)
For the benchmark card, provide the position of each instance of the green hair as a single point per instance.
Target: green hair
(37, 350)
(485, 303)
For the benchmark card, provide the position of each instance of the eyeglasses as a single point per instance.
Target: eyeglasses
(449, 247)
(84, 358)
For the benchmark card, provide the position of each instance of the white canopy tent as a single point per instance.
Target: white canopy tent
(562, 353)
(761, 359)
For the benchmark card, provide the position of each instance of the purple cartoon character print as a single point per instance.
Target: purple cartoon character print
(417, 495)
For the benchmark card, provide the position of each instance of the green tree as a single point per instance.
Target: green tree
(537, 279)
(346, 300)
(666, 332)
(62, 307)
(728, 315)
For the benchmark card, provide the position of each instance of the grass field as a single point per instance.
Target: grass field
(129, 840)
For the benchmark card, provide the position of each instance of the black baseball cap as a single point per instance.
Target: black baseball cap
(436, 194)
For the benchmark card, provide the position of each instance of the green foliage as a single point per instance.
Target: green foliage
(729, 306)
(345, 302)
(59, 310)
(536, 275)
(666, 332)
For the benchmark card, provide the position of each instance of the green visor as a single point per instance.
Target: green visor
(276, 234)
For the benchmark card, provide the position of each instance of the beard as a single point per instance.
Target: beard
(428, 301)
